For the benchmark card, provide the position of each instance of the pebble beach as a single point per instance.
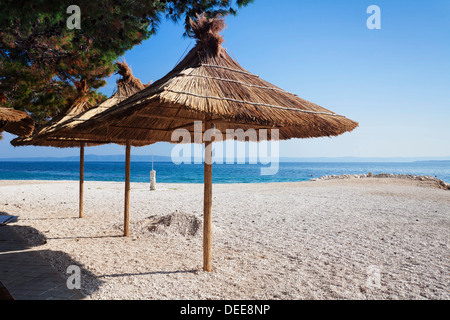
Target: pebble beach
(349, 238)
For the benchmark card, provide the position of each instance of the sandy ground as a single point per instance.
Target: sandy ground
(339, 239)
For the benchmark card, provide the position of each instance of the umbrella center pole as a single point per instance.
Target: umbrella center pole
(126, 222)
(207, 205)
(81, 180)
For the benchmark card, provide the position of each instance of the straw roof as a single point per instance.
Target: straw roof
(39, 139)
(16, 122)
(62, 133)
(209, 85)
(127, 85)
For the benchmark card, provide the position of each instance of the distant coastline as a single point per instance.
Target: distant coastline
(439, 161)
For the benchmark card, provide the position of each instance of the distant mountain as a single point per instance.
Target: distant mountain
(160, 158)
(439, 161)
(95, 158)
(366, 159)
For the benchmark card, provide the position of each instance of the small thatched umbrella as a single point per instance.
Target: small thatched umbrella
(127, 86)
(80, 105)
(209, 86)
(61, 132)
(79, 112)
(16, 122)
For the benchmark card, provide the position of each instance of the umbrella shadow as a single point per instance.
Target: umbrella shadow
(30, 236)
(88, 237)
(118, 275)
(35, 219)
(25, 269)
(22, 244)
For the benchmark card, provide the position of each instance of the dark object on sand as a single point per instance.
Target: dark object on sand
(4, 220)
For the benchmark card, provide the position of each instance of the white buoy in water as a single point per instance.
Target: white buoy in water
(153, 180)
(152, 177)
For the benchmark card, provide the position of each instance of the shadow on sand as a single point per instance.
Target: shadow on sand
(20, 257)
(29, 273)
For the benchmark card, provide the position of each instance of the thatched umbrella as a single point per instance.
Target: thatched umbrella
(79, 112)
(16, 122)
(127, 86)
(80, 105)
(61, 132)
(209, 86)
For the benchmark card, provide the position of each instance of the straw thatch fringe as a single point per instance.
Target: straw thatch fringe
(8, 114)
(65, 142)
(16, 122)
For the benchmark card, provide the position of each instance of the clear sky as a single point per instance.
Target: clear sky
(394, 81)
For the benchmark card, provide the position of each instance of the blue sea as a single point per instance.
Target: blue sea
(168, 172)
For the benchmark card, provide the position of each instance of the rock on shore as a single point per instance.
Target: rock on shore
(440, 184)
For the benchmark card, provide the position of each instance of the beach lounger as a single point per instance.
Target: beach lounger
(7, 219)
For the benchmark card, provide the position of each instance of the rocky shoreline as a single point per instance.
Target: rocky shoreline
(440, 184)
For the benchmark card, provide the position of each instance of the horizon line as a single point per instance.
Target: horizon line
(157, 158)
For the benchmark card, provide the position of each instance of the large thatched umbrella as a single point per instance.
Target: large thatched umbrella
(79, 112)
(209, 86)
(16, 122)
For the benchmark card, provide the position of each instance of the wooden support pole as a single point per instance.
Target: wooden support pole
(81, 180)
(126, 222)
(207, 204)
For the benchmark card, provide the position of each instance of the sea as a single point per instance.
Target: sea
(168, 172)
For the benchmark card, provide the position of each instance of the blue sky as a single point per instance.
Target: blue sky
(394, 81)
